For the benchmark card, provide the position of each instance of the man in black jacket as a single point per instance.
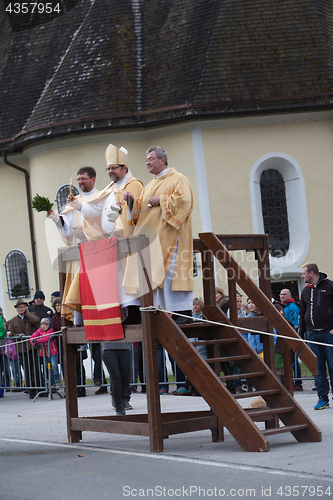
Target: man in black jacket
(316, 320)
(39, 308)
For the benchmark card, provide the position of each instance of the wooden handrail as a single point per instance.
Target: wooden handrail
(281, 325)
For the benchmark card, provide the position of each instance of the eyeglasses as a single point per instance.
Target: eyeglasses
(83, 179)
(112, 169)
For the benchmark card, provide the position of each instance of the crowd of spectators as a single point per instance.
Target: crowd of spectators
(21, 363)
(38, 321)
(24, 342)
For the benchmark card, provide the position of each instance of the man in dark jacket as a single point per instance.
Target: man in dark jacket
(39, 308)
(316, 320)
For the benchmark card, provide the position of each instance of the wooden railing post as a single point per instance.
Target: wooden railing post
(208, 275)
(149, 348)
(232, 297)
(71, 388)
(262, 257)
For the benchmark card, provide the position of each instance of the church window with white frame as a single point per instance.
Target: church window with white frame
(17, 275)
(278, 176)
(274, 211)
(62, 194)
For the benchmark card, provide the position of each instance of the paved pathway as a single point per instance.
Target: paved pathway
(40, 463)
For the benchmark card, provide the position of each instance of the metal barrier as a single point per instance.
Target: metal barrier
(23, 369)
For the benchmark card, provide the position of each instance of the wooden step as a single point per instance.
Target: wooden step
(231, 340)
(229, 358)
(286, 428)
(243, 375)
(256, 394)
(195, 324)
(260, 414)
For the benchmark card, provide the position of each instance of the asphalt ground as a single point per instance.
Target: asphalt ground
(38, 462)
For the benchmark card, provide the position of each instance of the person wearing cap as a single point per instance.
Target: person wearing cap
(41, 337)
(39, 308)
(54, 295)
(56, 318)
(121, 180)
(113, 223)
(26, 323)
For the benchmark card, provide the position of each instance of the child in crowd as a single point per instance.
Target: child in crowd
(41, 337)
(197, 315)
(254, 339)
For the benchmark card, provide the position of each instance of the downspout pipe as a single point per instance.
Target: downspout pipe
(31, 223)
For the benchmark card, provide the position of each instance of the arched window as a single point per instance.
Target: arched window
(16, 265)
(279, 209)
(62, 194)
(274, 211)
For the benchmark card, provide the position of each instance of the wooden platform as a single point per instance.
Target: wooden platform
(282, 413)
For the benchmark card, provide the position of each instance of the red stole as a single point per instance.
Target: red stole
(99, 290)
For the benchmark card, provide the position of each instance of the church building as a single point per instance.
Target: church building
(239, 94)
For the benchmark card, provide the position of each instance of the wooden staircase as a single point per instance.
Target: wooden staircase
(282, 413)
(281, 406)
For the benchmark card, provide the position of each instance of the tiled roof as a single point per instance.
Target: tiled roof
(324, 10)
(110, 64)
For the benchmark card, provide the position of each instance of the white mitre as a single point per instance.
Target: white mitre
(115, 156)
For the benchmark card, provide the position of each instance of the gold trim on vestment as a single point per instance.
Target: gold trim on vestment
(100, 307)
(101, 322)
